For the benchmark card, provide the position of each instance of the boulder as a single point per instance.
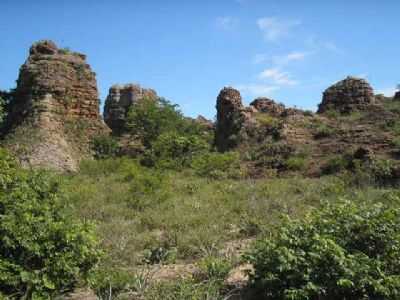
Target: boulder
(269, 106)
(120, 98)
(350, 94)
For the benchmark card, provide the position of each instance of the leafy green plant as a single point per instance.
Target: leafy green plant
(344, 251)
(218, 165)
(104, 146)
(43, 250)
(149, 118)
(175, 151)
(214, 268)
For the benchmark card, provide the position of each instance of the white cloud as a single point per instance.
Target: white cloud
(388, 92)
(277, 76)
(292, 56)
(274, 28)
(257, 89)
(226, 23)
(317, 45)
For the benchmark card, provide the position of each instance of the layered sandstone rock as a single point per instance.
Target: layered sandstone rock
(230, 119)
(120, 98)
(348, 95)
(56, 105)
(269, 106)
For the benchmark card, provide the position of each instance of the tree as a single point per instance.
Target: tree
(43, 250)
(149, 118)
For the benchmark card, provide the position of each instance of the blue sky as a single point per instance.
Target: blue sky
(188, 50)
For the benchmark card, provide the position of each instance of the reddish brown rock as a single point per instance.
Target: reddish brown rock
(269, 106)
(120, 98)
(350, 94)
(230, 119)
(56, 101)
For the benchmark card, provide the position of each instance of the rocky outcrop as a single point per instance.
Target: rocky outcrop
(230, 119)
(119, 100)
(204, 122)
(55, 106)
(269, 106)
(397, 96)
(350, 94)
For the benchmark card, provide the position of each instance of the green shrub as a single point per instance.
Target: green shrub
(149, 118)
(174, 151)
(296, 163)
(218, 165)
(334, 114)
(344, 251)
(308, 113)
(5, 99)
(323, 131)
(272, 155)
(104, 146)
(272, 125)
(336, 164)
(214, 268)
(43, 250)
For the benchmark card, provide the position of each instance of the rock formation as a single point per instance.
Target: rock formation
(230, 119)
(397, 96)
(55, 106)
(118, 102)
(269, 106)
(348, 95)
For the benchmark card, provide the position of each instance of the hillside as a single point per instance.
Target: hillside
(178, 204)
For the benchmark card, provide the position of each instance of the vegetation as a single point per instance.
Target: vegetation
(347, 250)
(150, 118)
(179, 203)
(104, 146)
(43, 249)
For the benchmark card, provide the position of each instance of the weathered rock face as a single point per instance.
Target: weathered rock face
(207, 124)
(348, 95)
(397, 96)
(269, 106)
(230, 118)
(118, 102)
(56, 96)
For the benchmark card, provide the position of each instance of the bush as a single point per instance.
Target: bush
(43, 250)
(214, 268)
(296, 163)
(104, 146)
(344, 251)
(336, 164)
(323, 131)
(218, 165)
(174, 151)
(149, 118)
(272, 155)
(5, 98)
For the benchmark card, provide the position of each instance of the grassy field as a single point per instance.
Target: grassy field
(145, 217)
